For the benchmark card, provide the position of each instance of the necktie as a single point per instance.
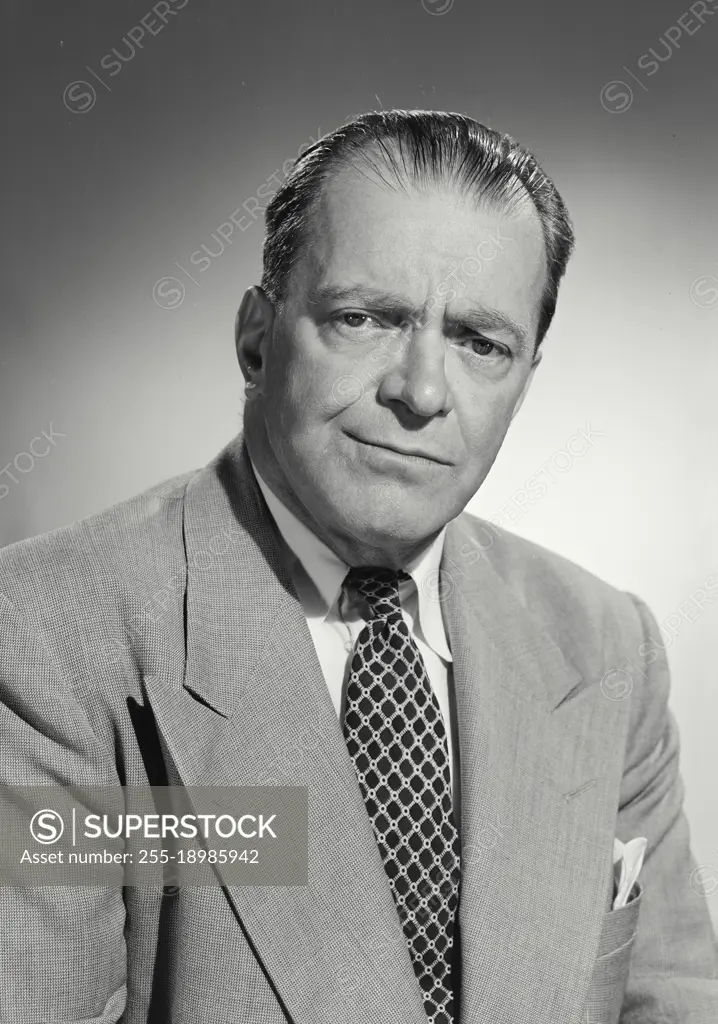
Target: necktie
(396, 738)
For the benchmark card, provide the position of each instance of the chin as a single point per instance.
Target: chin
(377, 522)
(374, 509)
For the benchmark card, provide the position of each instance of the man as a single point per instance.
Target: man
(447, 692)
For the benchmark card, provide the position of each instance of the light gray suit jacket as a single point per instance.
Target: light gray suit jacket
(161, 641)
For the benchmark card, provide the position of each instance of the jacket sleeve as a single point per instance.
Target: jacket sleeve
(62, 948)
(674, 967)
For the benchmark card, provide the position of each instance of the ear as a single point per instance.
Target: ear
(252, 329)
(524, 390)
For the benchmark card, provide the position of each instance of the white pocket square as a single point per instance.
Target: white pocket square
(627, 862)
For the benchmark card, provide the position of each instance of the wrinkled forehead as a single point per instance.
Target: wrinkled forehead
(373, 229)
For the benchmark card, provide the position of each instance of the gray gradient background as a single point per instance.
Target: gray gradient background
(102, 204)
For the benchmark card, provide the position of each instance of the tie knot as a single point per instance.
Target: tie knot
(379, 586)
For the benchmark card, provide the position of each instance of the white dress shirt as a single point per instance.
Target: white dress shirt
(335, 621)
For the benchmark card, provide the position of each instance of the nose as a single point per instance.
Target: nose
(416, 376)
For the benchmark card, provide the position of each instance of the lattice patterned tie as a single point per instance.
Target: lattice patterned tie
(396, 737)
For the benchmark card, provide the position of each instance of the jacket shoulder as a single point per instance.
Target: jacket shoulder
(522, 562)
(127, 546)
(587, 616)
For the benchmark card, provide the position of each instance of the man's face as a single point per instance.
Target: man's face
(392, 374)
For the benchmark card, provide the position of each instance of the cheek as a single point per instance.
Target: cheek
(306, 388)
(483, 421)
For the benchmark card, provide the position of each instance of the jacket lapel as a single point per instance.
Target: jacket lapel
(537, 800)
(253, 709)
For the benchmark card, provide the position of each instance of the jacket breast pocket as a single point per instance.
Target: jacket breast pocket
(613, 961)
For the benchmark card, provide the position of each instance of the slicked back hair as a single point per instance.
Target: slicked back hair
(420, 148)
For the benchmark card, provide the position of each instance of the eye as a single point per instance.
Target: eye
(484, 347)
(355, 320)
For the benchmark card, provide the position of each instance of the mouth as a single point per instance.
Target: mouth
(415, 454)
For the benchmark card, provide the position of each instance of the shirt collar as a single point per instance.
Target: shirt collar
(327, 570)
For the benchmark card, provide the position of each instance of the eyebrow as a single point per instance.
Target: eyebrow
(390, 302)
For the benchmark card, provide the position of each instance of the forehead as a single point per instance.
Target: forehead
(414, 243)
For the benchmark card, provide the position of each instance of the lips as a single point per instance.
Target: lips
(417, 453)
